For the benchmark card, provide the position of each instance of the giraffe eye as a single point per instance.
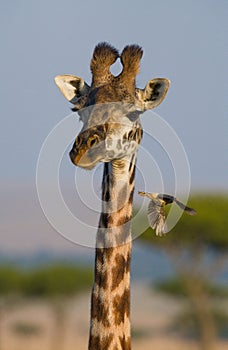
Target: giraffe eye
(133, 116)
(92, 141)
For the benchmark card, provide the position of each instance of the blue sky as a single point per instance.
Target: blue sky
(182, 40)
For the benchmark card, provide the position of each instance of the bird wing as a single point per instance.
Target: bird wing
(156, 216)
(188, 210)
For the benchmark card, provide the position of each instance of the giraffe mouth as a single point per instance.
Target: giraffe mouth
(85, 158)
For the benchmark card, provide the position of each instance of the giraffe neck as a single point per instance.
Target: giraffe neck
(110, 304)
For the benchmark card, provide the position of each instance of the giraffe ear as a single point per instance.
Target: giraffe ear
(71, 87)
(154, 93)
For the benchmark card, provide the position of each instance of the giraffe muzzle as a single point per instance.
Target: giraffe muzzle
(85, 158)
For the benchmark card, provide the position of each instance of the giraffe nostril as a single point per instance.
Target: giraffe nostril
(72, 154)
(131, 135)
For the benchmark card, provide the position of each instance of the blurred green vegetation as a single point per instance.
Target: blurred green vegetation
(23, 328)
(54, 283)
(187, 323)
(10, 280)
(44, 282)
(209, 227)
(176, 288)
(56, 280)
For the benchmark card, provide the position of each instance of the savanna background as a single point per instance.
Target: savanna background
(180, 282)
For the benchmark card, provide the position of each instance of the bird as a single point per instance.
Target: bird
(156, 210)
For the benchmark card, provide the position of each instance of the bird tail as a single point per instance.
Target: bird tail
(188, 210)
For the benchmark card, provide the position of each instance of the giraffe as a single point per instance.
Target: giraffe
(111, 133)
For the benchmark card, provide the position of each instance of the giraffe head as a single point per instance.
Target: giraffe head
(110, 108)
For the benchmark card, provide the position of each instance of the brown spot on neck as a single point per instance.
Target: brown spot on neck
(100, 343)
(106, 220)
(125, 343)
(99, 311)
(132, 177)
(122, 266)
(131, 196)
(121, 306)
